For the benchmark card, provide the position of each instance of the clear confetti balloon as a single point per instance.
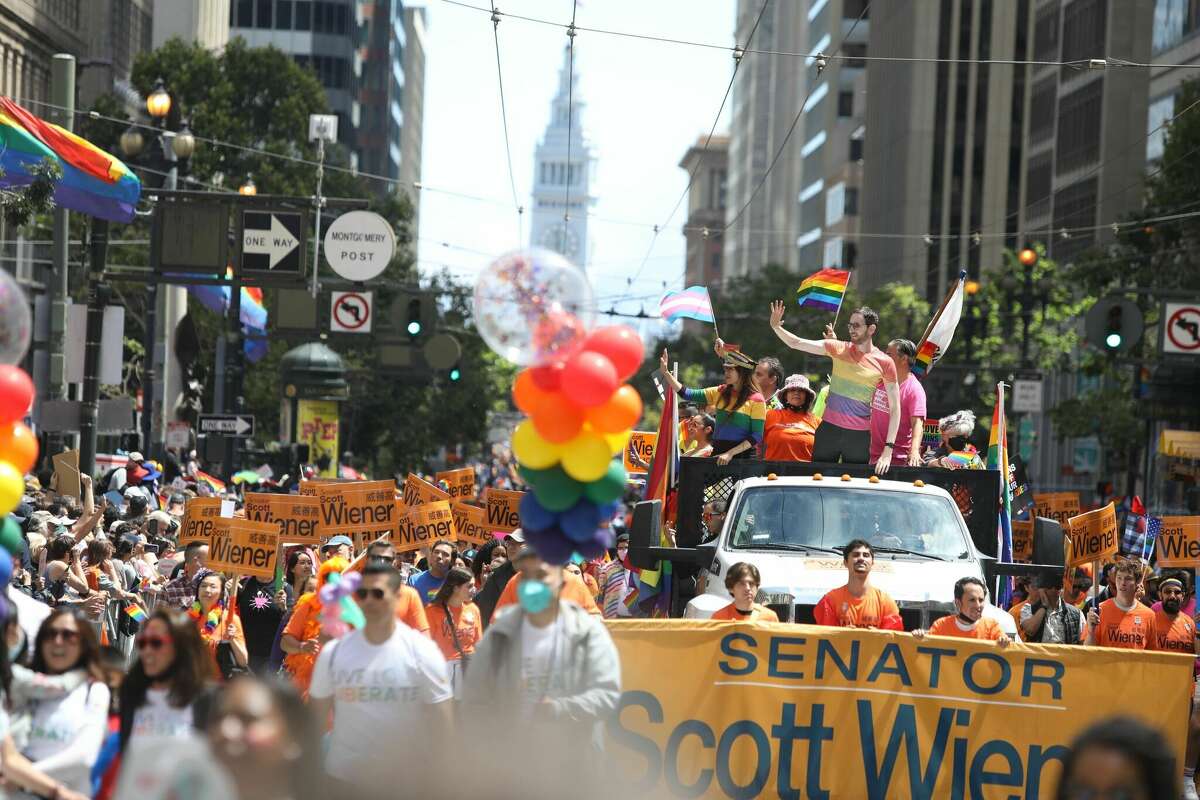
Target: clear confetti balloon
(533, 306)
(15, 323)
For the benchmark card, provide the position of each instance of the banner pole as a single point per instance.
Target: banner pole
(841, 300)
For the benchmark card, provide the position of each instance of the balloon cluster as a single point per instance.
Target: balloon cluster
(339, 612)
(18, 445)
(580, 414)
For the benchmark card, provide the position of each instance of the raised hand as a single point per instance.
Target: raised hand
(777, 313)
(829, 333)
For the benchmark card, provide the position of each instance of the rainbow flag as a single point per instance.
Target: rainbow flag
(997, 459)
(93, 182)
(940, 330)
(692, 303)
(136, 613)
(824, 289)
(213, 485)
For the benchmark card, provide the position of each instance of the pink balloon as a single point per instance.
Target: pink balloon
(622, 346)
(589, 379)
(16, 393)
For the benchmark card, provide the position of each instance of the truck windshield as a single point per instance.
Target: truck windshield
(828, 517)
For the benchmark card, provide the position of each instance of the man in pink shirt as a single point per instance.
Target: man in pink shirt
(912, 409)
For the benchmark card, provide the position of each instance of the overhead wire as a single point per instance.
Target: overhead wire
(570, 123)
(512, 181)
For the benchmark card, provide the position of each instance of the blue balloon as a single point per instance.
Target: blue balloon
(535, 516)
(594, 548)
(580, 521)
(6, 566)
(551, 545)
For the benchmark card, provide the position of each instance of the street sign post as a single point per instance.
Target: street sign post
(359, 245)
(240, 425)
(272, 242)
(1181, 329)
(350, 312)
(1027, 396)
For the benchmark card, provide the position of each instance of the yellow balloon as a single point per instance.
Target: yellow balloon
(531, 449)
(12, 487)
(617, 441)
(585, 458)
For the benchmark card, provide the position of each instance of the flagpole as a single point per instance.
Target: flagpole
(945, 302)
(716, 333)
(841, 300)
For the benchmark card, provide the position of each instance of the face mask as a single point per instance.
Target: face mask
(534, 596)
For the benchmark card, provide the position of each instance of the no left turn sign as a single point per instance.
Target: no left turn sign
(351, 312)
(1181, 334)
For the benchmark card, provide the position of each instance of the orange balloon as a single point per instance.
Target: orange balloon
(557, 419)
(620, 413)
(18, 446)
(526, 394)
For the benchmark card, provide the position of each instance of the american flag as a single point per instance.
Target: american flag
(1153, 528)
(1137, 540)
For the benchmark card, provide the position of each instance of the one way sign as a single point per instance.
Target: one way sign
(273, 242)
(228, 424)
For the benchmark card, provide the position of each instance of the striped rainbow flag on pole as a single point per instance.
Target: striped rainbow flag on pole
(824, 289)
(692, 303)
(997, 459)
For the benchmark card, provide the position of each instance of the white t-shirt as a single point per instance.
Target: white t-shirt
(378, 696)
(539, 648)
(157, 718)
(65, 735)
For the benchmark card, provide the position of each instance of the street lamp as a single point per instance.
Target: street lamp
(158, 104)
(184, 142)
(248, 188)
(1028, 257)
(132, 142)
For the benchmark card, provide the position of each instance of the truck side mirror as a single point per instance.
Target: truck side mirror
(643, 533)
(1048, 543)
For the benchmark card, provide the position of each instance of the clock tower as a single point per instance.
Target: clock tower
(562, 175)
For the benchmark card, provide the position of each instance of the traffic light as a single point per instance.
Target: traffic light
(455, 374)
(1114, 325)
(413, 316)
(1112, 328)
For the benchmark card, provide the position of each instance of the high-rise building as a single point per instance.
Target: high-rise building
(706, 211)
(31, 32)
(381, 91)
(117, 31)
(562, 174)
(205, 22)
(1173, 42)
(413, 107)
(767, 92)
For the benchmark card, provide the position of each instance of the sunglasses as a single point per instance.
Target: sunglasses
(374, 594)
(67, 636)
(153, 642)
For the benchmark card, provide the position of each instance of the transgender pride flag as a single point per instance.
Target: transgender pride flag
(692, 303)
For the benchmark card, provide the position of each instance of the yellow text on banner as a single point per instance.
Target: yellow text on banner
(641, 444)
(424, 526)
(242, 547)
(503, 509)
(470, 524)
(1178, 543)
(1022, 541)
(296, 516)
(362, 510)
(864, 714)
(198, 519)
(460, 481)
(317, 426)
(1092, 536)
(417, 490)
(1058, 506)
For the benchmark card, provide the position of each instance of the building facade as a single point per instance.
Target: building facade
(706, 211)
(563, 165)
(767, 92)
(117, 31)
(205, 22)
(412, 132)
(31, 32)
(1175, 41)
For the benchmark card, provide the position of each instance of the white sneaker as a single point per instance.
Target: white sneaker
(1189, 790)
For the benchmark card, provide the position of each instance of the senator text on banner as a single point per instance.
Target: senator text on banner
(460, 481)
(1178, 543)
(1092, 536)
(1058, 506)
(641, 444)
(362, 510)
(423, 526)
(242, 547)
(771, 710)
(198, 519)
(470, 524)
(502, 509)
(296, 516)
(417, 490)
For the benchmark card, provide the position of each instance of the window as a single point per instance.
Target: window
(1083, 33)
(856, 149)
(303, 15)
(264, 18)
(845, 104)
(1174, 20)
(1041, 110)
(1079, 128)
(851, 205)
(1045, 34)
(835, 204)
(832, 256)
(342, 19)
(283, 15)
(1038, 186)
(853, 9)
(245, 13)
(1161, 110)
(855, 53)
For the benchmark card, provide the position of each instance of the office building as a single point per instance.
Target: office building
(562, 174)
(117, 31)
(413, 108)
(706, 210)
(1174, 41)
(205, 22)
(767, 92)
(31, 32)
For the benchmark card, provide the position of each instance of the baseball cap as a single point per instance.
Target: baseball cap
(338, 541)
(136, 456)
(517, 535)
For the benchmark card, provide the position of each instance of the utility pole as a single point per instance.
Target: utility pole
(98, 297)
(62, 112)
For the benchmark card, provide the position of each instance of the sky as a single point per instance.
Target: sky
(646, 103)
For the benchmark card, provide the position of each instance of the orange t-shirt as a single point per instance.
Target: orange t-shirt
(757, 614)
(217, 635)
(573, 590)
(305, 624)
(840, 609)
(985, 628)
(410, 610)
(1176, 635)
(467, 622)
(788, 435)
(1135, 629)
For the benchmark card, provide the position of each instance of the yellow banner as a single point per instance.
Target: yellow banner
(771, 710)
(1178, 543)
(317, 426)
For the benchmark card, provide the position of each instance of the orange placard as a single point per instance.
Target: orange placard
(297, 516)
(417, 490)
(362, 510)
(1058, 506)
(424, 525)
(503, 509)
(198, 517)
(460, 481)
(1178, 542)
(470, 523)
(640, 451)
(1022, 541)
(242, 547)
(1092, 536)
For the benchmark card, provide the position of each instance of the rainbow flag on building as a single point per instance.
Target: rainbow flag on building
(997, 459)
(691, 303)
(940, 331)
(824, 289)
(93, 182)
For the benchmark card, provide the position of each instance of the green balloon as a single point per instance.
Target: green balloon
(10, 537)
(609, 487)
(555, 489)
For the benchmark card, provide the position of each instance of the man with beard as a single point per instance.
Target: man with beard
(858, 605)
(1176, 631)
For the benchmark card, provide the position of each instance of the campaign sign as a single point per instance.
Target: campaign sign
(1092, 536)
(296, 516)
(362, 510)
(423, 526)
(198, 519)
(471, 524)
(1178, 543)
(502, 509)
(242, 547)
(417, 490)
(460, 481)
(1058, 506)
(1022, 541)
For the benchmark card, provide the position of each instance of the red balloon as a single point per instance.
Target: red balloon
(16, 393)
(589, 379)
(621, 345)
(547, 377)
(18, 446)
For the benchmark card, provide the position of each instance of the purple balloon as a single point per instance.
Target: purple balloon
(551, 545)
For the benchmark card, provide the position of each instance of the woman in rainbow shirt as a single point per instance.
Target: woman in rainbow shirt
(741, 410)
(955, 451)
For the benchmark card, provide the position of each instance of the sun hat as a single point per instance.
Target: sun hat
(795, 382)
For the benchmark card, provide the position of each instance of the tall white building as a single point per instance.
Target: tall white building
(562, 175)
